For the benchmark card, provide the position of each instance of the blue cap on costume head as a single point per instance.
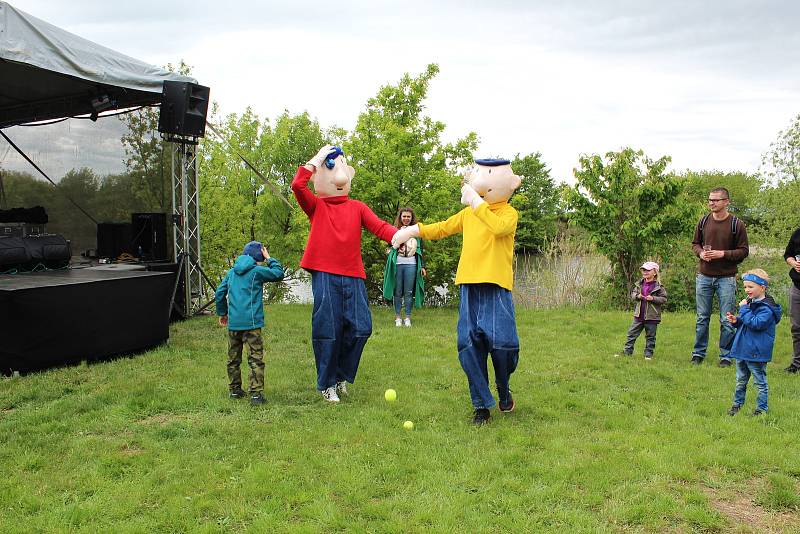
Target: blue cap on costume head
(330, 160)
(492, 162)
(750, 277)
(253, 249)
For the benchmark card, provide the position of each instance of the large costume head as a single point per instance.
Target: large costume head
(333, 177)
(493, 179)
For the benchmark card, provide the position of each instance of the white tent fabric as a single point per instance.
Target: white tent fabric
(29, 40)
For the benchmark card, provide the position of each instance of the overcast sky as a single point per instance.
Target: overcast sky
(709, 83)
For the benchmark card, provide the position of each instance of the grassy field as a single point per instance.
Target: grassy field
(598, 443)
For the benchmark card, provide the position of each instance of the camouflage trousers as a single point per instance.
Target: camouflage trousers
(237, 339)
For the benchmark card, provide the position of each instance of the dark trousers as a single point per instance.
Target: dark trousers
(340, 326)
(794, 314)
(649, 336)
(487, 325)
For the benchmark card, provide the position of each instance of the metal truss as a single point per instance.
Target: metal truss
(186, 218)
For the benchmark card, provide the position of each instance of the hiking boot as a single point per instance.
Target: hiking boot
(648, 356)
(341, 387)
(697, 360)
(481, 416)
(791, 369)
(758, 412)
(734, 410)
(407, 321)
(330, 394)
(725, 363)
(398, 322)
(237, 394)
(257, 399)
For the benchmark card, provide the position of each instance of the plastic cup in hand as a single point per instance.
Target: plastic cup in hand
(706, 248)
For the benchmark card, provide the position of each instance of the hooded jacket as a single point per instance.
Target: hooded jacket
(240, 294)
(755, 330)
(652, 308)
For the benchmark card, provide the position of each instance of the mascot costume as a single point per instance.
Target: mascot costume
(486, 319)
(341, 322)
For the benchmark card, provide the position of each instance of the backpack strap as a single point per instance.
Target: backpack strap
(702, 225)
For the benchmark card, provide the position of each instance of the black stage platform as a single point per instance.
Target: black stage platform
(55, 318)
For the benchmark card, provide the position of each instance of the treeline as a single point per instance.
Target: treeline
(629, 206)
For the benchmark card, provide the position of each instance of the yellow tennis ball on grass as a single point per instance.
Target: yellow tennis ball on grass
(408, 425)
(390, 395)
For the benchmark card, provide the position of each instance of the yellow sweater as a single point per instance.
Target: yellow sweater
(488, 247)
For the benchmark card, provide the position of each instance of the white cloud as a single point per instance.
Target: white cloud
(708, 83)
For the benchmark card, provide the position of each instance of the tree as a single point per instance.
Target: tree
(148, 158)
(537, 201)
(400, 160)
(237, 206)
(744, 190)
(632, 210)
(782, 160)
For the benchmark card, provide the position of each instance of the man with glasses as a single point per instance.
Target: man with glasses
(720, 241)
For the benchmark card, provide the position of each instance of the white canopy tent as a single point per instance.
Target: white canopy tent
(48, 73)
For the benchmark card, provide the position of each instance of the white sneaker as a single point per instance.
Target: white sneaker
(341, 387)
(398, 322)
(330, 394)
(407, 322)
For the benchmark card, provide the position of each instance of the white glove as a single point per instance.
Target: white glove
(319, 159)
(404, 234)
(470, 197)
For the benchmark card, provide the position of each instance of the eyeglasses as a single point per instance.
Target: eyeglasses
(717, 199)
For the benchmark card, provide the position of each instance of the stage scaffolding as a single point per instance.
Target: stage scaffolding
(197, 289)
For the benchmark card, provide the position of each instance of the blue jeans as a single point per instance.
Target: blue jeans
(340, 326)
(759, 372)
(404, 282)
(725, 288)
(487, 325)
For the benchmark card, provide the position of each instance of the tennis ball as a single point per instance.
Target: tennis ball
(408, 425)
(390, 395)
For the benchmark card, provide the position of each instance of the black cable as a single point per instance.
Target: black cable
(84, 117)
(29, 160)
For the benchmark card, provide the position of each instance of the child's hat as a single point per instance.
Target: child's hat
(650, 266)
(253, 249)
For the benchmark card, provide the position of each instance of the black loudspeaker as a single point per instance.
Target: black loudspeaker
(149, 236)
(184, 107)
(114, 239)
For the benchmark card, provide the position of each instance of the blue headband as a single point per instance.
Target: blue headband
(750, 277)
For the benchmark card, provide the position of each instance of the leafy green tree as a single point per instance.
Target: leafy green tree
(400, 160)
(782, 160)
(537, 202)
(632, 209)
(744, 189)
(238, 206)
(779, 209)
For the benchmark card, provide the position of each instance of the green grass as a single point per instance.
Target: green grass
(597, 444)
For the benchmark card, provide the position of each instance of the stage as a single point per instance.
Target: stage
(55, 318)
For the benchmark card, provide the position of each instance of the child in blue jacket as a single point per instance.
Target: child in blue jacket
(754, 339)
(240, 307)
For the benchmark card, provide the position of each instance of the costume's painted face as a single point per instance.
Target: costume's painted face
(333, 182)
(493, 184)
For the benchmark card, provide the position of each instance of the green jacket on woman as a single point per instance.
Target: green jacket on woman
(390, 274)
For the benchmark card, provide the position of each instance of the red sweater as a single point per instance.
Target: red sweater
(334, 244)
